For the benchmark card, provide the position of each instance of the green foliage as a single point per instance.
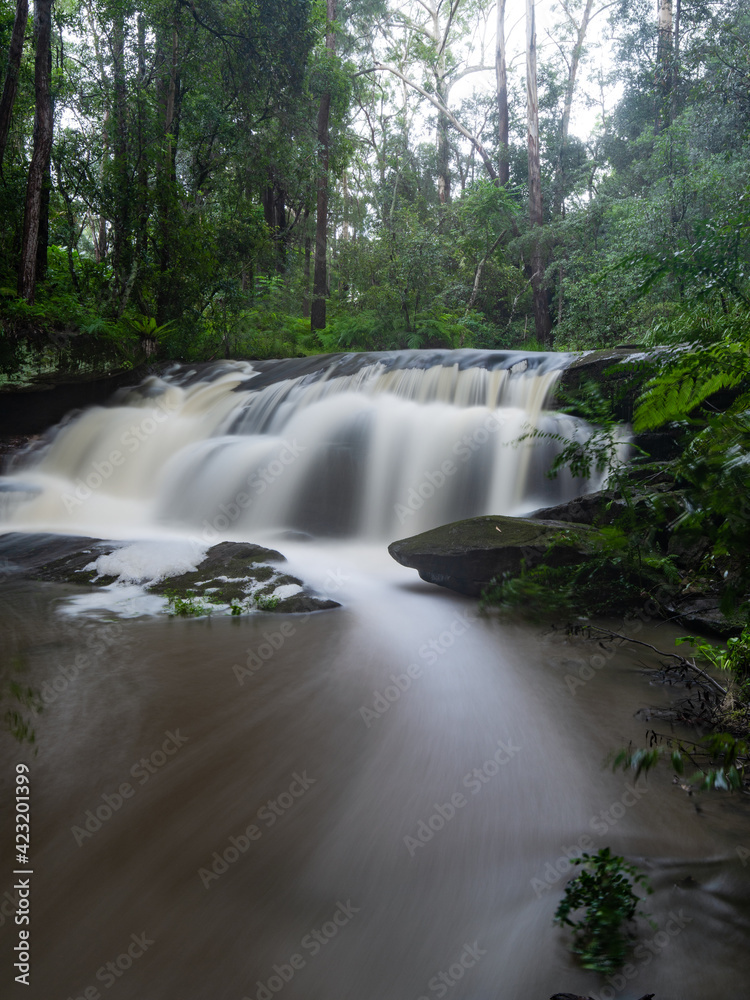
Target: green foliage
(187, 606)
(626, 560)
(265, 602)
(20, 699)
(735, 659)
(712, 355)
(599, 450)
(181, 221)
(720, 761)
(619, 572)
(604, 890)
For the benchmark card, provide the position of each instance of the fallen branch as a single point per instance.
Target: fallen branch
(683, 661)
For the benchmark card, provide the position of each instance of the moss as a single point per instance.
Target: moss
(493, 532)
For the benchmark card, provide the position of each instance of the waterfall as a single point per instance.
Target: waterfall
(374, 446)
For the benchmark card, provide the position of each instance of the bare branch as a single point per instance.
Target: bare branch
(383, 67)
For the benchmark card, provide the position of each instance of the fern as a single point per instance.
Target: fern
(675, 394)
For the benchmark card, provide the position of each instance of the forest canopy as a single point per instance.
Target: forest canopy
(253, 178)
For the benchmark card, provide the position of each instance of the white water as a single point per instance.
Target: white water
(379, 453)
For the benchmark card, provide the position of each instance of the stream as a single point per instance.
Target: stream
(371, 803)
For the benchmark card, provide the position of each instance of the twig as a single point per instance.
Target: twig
(674, 656)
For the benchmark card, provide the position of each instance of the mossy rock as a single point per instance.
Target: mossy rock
(467, 555)
(231, 573)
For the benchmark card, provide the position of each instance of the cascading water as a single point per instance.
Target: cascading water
(373, 803)
(373, 447)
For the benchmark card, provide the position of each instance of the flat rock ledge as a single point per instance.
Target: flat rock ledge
(230, 573)
(465, 556)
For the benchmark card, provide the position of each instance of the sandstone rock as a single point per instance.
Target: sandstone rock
(466, 555)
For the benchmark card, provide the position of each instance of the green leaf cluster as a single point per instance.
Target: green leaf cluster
(605, 891)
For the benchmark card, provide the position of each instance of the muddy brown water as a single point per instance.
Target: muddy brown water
(227, 808)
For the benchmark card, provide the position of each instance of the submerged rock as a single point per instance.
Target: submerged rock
(466, 555)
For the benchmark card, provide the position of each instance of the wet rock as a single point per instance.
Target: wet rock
(238, 574)
(701, 613)
(54, 558)
(619, 372)
(465, 556)
(601, 507)
(231, 573)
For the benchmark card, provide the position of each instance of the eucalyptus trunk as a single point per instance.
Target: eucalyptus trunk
(559, 183)
(501, 74)
(664, 64)
(542, 321)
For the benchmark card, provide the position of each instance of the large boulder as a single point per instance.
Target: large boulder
(466, 555)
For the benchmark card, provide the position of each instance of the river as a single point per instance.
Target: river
(374, 802)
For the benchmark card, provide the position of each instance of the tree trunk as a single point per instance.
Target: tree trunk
(501, 73)
(99, 230)
(141, 199)
(443, 150)
(488, 164)
(676, 70)
(121, 257)
(320, 278)
(664, 64)
(166, 186)
(11, 74)
(442, 90)
(306, 269)
(559, 184)
(345, 221)
(39, 166)
(542, 320)
(273, 199)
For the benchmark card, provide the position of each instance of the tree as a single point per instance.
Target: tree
(320, 275)
(10, 87)
(40, 159)
(501, 72)
(542, 320)
(664, 62)
(580, 30)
